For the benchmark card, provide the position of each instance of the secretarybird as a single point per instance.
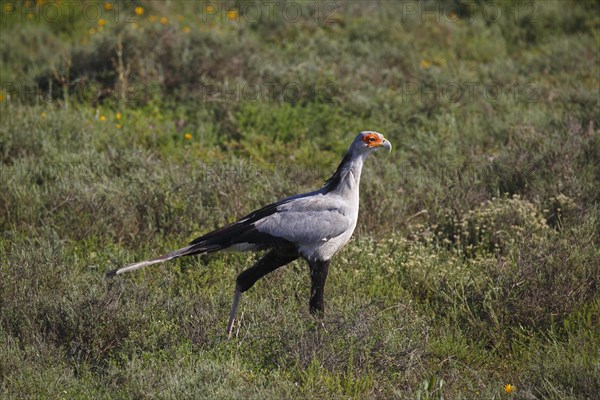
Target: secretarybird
(313, 226)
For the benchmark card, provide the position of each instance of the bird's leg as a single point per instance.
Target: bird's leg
(237, 295)
(268, 263)
(318, 276)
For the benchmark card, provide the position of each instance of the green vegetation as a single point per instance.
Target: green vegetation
(475, 262)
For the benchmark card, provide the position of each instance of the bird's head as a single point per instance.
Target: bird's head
(368, 142)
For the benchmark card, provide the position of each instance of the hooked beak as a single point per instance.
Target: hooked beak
(386, 144)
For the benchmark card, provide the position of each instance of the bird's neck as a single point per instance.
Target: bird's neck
(346, 179)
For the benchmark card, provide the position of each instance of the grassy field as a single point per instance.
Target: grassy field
(129, 128)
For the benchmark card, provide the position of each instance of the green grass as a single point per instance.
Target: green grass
(475, 261)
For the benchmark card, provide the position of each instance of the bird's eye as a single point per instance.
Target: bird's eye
(370, 139)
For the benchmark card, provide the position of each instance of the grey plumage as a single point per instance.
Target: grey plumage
(314, 226)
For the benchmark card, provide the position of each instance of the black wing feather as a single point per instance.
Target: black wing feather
(240, 231)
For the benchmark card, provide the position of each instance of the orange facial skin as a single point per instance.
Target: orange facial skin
(372, 140)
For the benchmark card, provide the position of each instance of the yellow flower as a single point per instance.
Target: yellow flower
(186, 29)
(139, 10)
(232, 15)
(108, 6)
(209, 8)
(8, 7)
(425, 64)
(508, 388)
(118, 116)
(164, 20)
(188, 136)
(43, 114)
(118, 126)
(1, 97)
(152, 18)
(103, 118)
(101, 22)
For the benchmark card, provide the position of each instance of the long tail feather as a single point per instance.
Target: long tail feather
(188, 250)
(241, 233)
